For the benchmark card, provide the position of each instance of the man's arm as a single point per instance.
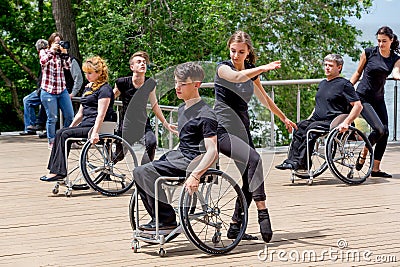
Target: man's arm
(77, 76)
(354, 113)
(158, 112)
(206, 160)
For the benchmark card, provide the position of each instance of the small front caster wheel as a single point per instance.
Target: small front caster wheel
(310, 182)
(55, 189)
(135, 246)
(162, 252)
(68, 193)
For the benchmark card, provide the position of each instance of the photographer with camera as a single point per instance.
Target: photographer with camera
(54, 94)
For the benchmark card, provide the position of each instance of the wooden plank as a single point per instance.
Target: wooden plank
(88, 229)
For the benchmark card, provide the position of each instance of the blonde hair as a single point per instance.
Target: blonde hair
(98, 65)
(243, 37)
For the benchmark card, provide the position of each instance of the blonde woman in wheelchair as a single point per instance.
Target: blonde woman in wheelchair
(333, 97)
(96, 106)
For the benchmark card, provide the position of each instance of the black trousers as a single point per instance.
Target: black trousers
(150, 142)
(249, 163)
(173, 163)
(298, 148)
(57, 159)
(377, 117)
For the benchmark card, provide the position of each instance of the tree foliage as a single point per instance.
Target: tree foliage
(297, 32)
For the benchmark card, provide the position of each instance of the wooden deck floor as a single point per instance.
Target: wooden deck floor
(38, 228)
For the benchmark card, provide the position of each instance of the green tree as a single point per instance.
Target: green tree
(298, 32)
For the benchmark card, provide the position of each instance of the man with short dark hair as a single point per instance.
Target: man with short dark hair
(197, 125)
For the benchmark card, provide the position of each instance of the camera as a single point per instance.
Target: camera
(64, 44)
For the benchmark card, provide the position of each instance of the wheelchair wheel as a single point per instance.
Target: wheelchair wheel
(318, 161)
(139, 211)
(206, 215)
(108, 165)
(343, 150)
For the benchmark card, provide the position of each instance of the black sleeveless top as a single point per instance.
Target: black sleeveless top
(376, 70)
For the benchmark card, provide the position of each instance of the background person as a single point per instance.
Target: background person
(376, 64)
(96, 106)
(333, 97)
(32, 122)
(54, 95)
(126, 88)
(235, 82)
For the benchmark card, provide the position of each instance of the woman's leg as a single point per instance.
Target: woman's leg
(65, 104)
(377, 117)
(57, 159)
(253, 182)
(49, 102)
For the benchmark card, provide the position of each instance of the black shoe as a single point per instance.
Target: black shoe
(35, 128)
(265, 225)
(358, 164)
(52, 179)
(43, 135)
(234, 230)
(161, 226)
(29, 132)
(284, 166)
(381, 174)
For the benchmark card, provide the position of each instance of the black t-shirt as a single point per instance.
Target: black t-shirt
(194, 124)
(231, 101)
(376, 70)
(128, 90)
(333, 98)
(90, 105)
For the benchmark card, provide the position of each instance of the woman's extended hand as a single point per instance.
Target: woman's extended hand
(289, 125)
(271, 66)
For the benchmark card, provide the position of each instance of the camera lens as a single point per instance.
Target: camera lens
(65, 44)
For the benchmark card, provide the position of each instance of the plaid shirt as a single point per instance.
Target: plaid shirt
(53, 80)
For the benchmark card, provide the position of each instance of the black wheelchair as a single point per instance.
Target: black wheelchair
(106, 167)
(204, 217)
(339, 152)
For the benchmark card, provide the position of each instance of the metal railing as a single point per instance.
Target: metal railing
(270, 88)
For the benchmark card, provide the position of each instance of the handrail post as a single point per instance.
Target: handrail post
(156, 129)
(170, 143)
(395, 111)
(272, 128)
(298, 104)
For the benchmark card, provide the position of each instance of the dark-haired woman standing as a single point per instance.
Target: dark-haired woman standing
(376, 64)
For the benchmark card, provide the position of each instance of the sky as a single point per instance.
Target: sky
(382, 13)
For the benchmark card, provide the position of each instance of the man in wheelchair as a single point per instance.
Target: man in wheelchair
(334, 94)
(197, 151)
